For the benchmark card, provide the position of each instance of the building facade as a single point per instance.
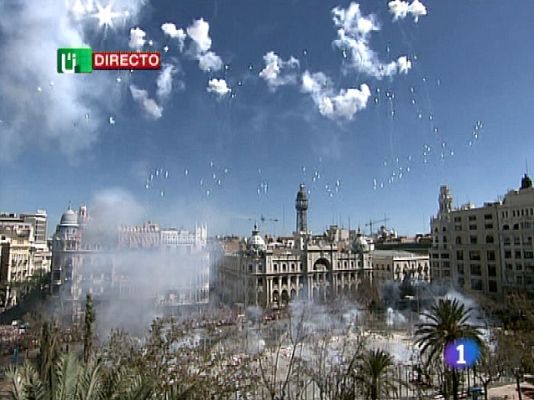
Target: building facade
(400, 266)
(312, 267)
(488, 249)
(24, 254)
(165, 266)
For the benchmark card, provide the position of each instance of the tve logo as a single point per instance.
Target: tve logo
(461, 353)
(85, 60)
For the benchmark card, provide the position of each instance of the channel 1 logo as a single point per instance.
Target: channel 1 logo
(85, 60)
(461, 353)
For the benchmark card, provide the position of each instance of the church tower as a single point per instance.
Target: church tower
(301, 205)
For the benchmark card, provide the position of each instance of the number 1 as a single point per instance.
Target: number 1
(461, 359)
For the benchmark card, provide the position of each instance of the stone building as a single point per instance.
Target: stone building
(400, 266)
(487, 249)
(312, 267)
(24, 254)
(165, 267)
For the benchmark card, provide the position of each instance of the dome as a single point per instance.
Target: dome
(69, 218)
(256, 242)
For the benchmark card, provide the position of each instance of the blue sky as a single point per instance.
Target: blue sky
(464, 100)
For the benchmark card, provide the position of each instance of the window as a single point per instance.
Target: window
(488, 226)
(519, 267)
(260, 282)
(517, 241)
(459, 255)
(460, 268)
(528, 254)
(458, 240)
(250, 268)
(492, 286)
(473, 240)
(519, 280)
(473, 227)
(492, 270)
(474, 255)
(516, 227)
(507, 254)
(506, 227)
(461, 281)
(476, 284)
(284, 267)
(488, 216)
(275, 267)
(457, 228)
(475, 269)
(457, 219)
(444, 239)
(507, 241)
(444, 229)
(517, 254)
(489, 239)
(472, 218)
(491, 255)
(292, 266)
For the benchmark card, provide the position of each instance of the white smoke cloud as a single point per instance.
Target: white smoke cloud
(218, 87)
(199, 33)
(201, 45)
(345, 104)
(278, 72)
(137, 38)
(40, 107)
(404, 64)
(353, 36)
(401, 9)
(179, 34)
(164, 81)
(149, 105)
(209, 61)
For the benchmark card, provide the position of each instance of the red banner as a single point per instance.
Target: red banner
(128, 60)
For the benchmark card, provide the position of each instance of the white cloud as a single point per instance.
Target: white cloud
(401, 9)
(137, 38)
(201, 45)
(218, 87)
(353, 36)
(151, 108)
(343, 105)
(53, 117)
(278, 72)
(209, 61)
(179, 34)
(199, 33)
(164, 81)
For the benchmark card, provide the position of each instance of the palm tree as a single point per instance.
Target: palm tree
(73, 380)
(374, 375)
(446, 322)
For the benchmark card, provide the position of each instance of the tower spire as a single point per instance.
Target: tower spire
(301, 205)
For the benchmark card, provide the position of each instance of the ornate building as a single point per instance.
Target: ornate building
(168, 267)
(313, 267)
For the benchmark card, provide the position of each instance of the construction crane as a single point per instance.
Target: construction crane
(263, 219)
(374, 222)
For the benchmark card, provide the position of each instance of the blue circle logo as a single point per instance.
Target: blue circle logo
(461, 353)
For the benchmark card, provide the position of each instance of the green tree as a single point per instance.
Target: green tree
(88, 334)
(447, 321)
(376, 376)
